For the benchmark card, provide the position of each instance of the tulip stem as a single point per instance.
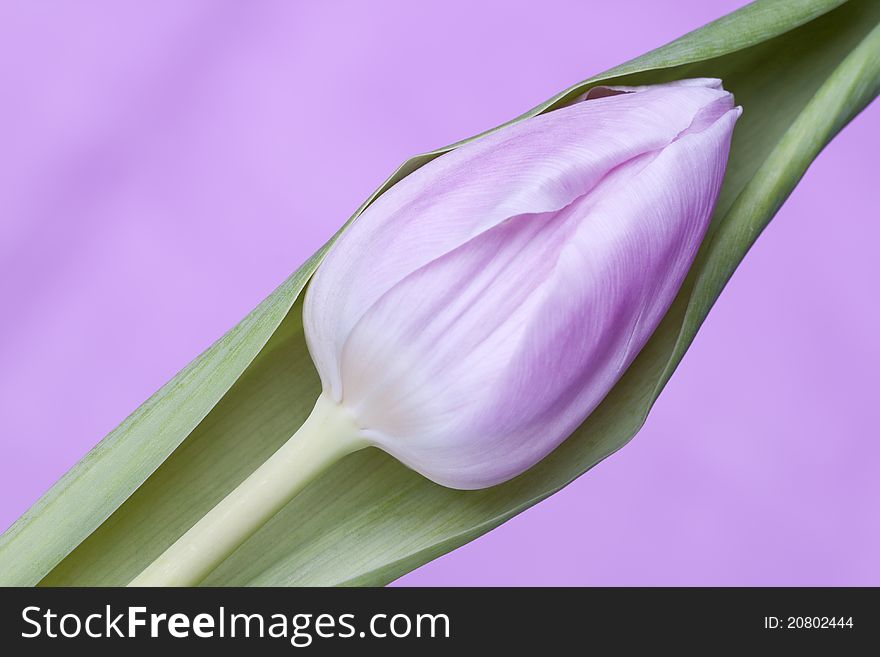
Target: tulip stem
(327, 435)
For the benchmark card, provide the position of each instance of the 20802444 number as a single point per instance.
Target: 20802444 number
(808, 622)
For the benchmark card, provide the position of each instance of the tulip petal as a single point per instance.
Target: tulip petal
(605, 301)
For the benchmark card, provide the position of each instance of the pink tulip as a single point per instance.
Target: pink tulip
(478, 311)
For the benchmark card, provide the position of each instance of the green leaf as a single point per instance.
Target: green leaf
(801, 70)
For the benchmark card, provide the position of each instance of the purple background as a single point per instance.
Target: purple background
(164, 165)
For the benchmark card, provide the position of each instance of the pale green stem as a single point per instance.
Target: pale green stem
(326, 436)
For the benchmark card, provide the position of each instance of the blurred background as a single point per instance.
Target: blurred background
(164, 165)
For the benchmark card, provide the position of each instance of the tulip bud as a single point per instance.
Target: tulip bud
(477, 312)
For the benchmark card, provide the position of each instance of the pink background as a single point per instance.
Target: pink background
(164, 165)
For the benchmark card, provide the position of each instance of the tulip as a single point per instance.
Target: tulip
(478, 311)
(475, 314)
